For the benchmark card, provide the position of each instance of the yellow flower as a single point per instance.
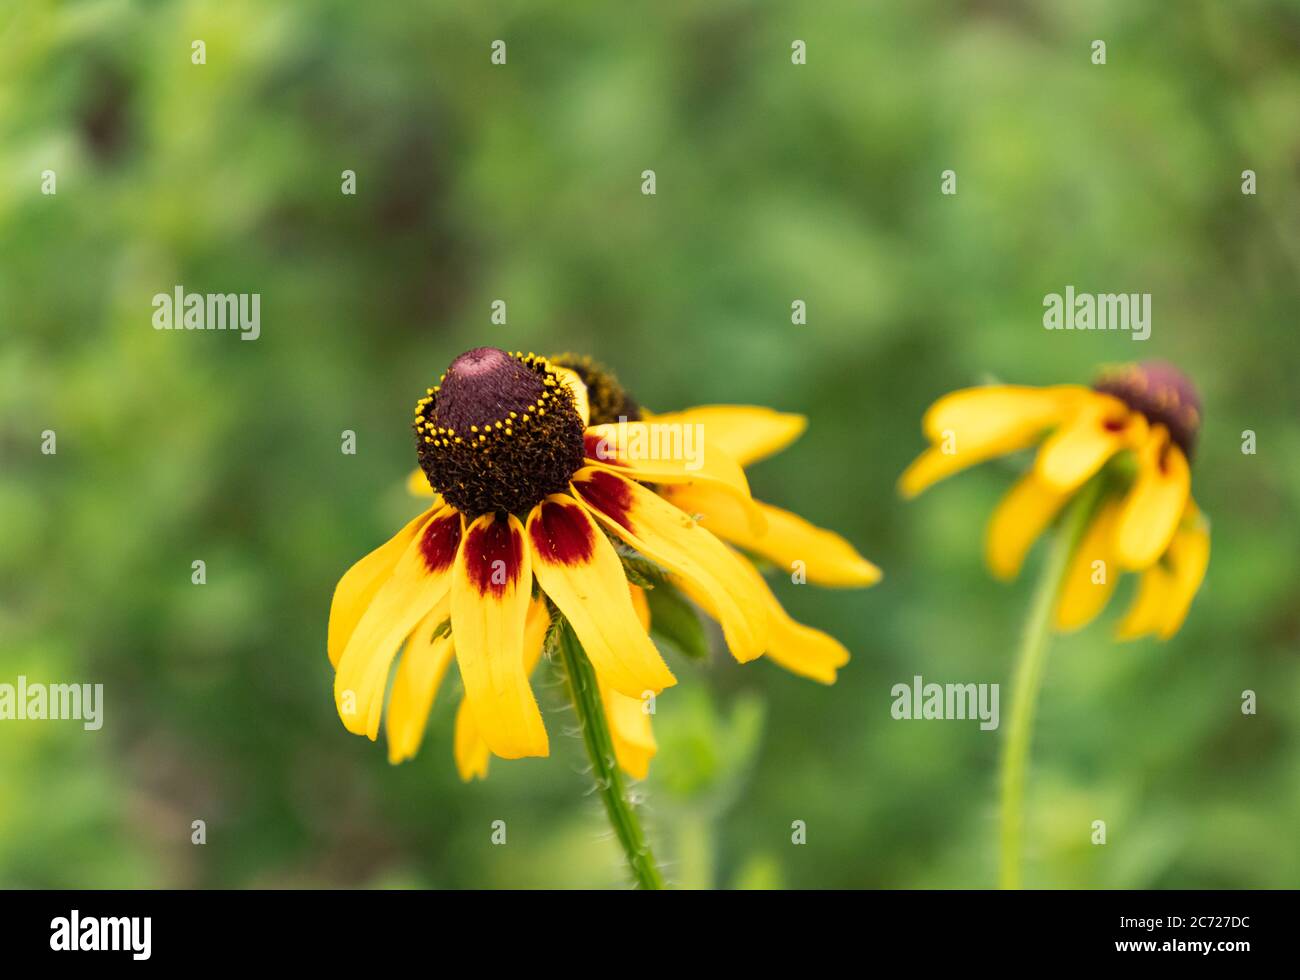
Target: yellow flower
(1135, 430)
(501, 439)
(529, 503)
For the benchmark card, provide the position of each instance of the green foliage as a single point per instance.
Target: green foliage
(776, 182)
(674, 620)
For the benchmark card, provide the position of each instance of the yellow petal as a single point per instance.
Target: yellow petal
(419, 582)
(1088, 585)
(938, 463)
(536, 627)
(491, 583)
(1101, 427)
(975, 424)
(470, 751)
(1017, 522)
(1146, 612)
(1156, 502)
(746, 433)
(418, 484)
(1189, 557)
(357, 588)
(673, 454)
(640, 604)
(798, 648)
(629, 727)
(570, 379)
(826, 558)
(708, 571)
(419, 673)
(579, 569)
(989, 413)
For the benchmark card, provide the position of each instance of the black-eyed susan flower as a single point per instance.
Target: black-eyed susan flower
(541, 523)
(1135, 431)
(532, 503)
(1116, 458)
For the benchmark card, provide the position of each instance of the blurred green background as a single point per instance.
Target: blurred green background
(521, 182)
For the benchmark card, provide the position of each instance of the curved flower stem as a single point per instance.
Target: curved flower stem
(1028, 680)
(600, 749)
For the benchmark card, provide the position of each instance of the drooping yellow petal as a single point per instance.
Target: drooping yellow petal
(976, 424)
(825, 557)
(535, 628)
(640, 604)
(629, 727)
(938, 463)
(418, 583)
(746, 433)
(1189, 557)
(491, 583)
(1146, 612)
(417, 484)
(1092, 572)
(419, 673)
(1101, 426)
(798, 648)
(578, 568)
(706, 569)
(672, 454)
(1156, 502)
(988, 413)
(570, 379)
(357, 588)
(471, 752)
(1019, 519)
(1167, 587)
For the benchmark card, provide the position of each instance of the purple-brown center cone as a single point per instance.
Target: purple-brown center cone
(1161, 392)
(483, 386)
(499, 433)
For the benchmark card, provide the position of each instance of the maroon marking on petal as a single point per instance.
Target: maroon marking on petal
(494, 553)
(609, 494)
(562, 534)
(603, 449)
(439, 542)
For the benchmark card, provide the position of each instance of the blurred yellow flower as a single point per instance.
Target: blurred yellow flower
(1135, 431)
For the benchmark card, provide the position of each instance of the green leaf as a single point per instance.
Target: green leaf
(639, 574)
(675, 620)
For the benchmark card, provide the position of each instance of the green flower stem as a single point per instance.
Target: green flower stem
(1029, 677)
(600, 749)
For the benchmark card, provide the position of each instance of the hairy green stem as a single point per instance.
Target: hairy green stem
(1028, 680)
(604, 765)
